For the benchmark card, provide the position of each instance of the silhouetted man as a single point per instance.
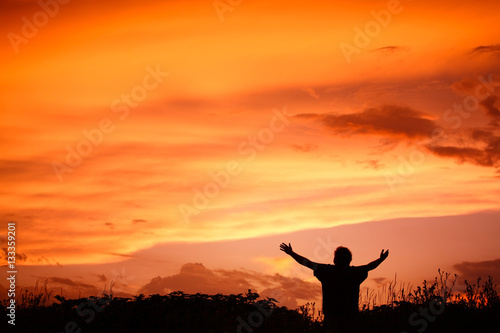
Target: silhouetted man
(340, 283)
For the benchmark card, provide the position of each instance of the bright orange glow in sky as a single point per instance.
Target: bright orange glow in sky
(162, 137)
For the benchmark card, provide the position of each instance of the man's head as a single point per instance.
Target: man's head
(342, 257)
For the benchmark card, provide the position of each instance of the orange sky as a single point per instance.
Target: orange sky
(167, 126)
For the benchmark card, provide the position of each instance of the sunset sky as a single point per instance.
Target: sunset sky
(173, 145)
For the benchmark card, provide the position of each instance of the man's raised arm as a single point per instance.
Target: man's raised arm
(298, 258)
(374, 264)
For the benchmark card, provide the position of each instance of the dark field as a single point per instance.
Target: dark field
(430, 308)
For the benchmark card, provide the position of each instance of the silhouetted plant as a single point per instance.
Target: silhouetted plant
(309, 312)
(39, 297)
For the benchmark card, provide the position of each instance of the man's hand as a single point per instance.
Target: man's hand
(374, 264)
(286, 248)
(297, 257)
(384, 255)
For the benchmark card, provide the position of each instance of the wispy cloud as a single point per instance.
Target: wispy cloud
(393, 124)
(305, 148)
(493, 48)
(470, 271)
(72, 284)
(487, 156)
(480, 145)
(391, 49)
(380, 280)
(122, 255)
(311, 92)
(492, 108)
(387, 120)
(371, 164)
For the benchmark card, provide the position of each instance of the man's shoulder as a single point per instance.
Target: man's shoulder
(346, 268)
(359, 268)
(361, 272)
(323, 267)
(327, 268)
(349, 270)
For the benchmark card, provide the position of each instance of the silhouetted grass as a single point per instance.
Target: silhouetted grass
(39, 297)
(393, 294)
(432, 307)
